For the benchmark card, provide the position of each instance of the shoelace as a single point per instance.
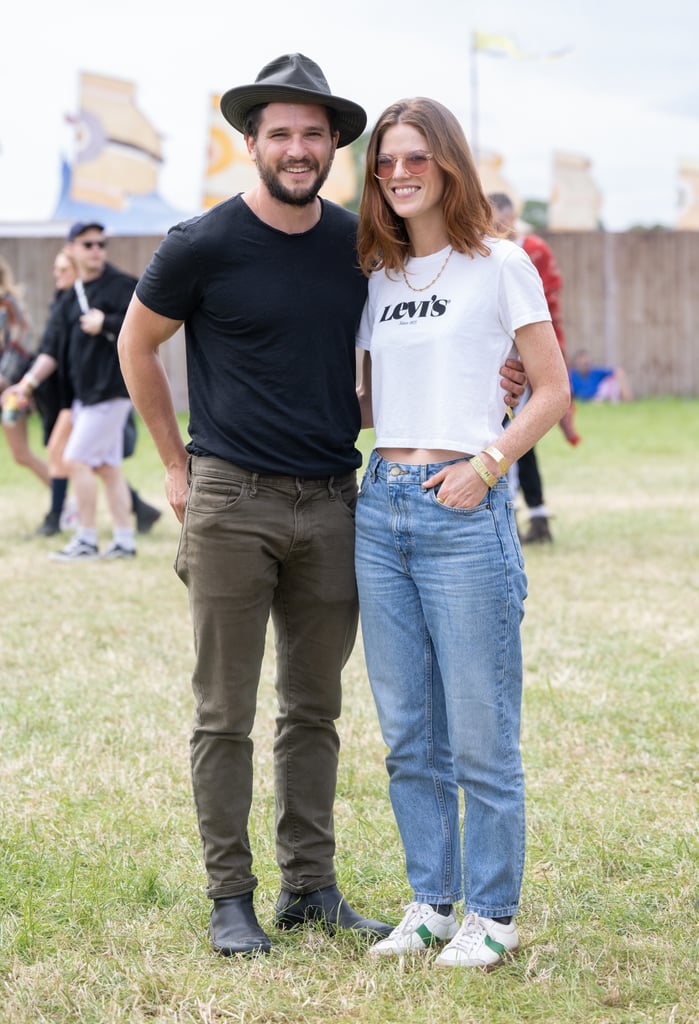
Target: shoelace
(470, 934)
(416, 912)
(77, 545)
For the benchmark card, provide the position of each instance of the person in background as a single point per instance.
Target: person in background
(591, 383)
(16, 350)
(82, 330)
(525, 473)
(53, 400)
(439, 568)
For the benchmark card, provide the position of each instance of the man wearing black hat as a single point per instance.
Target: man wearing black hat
(269, 290)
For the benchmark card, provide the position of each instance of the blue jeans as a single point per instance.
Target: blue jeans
(441, 597)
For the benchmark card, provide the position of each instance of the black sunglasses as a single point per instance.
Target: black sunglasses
(90, 245)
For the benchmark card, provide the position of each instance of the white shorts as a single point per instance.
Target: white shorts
(97, 437)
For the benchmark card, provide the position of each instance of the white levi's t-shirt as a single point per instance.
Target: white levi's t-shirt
(436, 353)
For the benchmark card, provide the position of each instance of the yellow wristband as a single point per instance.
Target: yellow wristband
(484, 473)
(497, 456)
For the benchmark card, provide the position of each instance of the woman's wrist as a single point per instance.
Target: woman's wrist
(490, 457)
(497, 458)
(488, 478)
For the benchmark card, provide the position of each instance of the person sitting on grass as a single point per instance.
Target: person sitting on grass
(597, 383)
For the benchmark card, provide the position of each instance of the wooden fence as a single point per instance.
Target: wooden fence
(631, 299)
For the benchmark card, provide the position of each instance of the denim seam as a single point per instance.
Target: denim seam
(439, 789)
(510, 764)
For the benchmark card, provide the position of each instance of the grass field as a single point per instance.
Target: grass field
(103, 915)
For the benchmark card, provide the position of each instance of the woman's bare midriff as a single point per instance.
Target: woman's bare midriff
(419, 456)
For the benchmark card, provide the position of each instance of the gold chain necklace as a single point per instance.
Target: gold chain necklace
(434, 279)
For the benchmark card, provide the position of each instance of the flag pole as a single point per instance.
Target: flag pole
(474, 100)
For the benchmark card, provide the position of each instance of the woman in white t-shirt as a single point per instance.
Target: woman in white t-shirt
(439, 567)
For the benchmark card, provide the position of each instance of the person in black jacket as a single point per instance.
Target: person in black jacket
(81, 333)
(54, 400)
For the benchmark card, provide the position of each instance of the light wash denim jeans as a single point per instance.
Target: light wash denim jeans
(441, 595)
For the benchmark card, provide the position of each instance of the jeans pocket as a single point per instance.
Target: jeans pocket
(209, 495)
(348, 493)
(482, 506)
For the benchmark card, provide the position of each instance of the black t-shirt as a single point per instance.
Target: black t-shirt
(90, 363)
(270, 325)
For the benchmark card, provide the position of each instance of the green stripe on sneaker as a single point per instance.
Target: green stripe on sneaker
(426, 935)
(497, 947)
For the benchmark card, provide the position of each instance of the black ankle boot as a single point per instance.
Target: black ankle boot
(146, 515)
(50, 526)
(539, 531)
(327, 907)
(234, 929)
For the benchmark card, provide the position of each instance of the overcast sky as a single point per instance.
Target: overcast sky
(626, 96)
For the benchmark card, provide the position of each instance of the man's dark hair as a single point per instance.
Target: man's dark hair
(254, 116)
(501, 202)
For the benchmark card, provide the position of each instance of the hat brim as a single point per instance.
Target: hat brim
(79, 229)
(237, 103)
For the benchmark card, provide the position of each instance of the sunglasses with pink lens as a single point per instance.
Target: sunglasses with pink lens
(413, 163)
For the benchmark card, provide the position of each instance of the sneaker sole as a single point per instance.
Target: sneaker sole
(74, 558)
(431, 943)
(485, 968)
(396, 953)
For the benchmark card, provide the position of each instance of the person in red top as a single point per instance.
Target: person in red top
(541, 255)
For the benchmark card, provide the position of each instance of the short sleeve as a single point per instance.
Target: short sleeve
(521, 298)
(171, 284)
(366, 324)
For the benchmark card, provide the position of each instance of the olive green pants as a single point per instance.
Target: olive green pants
(254, 545)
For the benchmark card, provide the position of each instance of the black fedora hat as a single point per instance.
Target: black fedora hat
(293, 78)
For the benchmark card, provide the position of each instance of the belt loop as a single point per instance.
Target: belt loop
(252, 487)
(374, 467)
(331, 489)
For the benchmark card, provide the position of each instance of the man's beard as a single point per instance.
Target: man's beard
(270, 180)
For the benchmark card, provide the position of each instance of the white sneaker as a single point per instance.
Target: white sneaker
(421, 928)
(76, 551)
(118, 551)
(480, 942)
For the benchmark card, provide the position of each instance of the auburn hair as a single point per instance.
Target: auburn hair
(382, 240)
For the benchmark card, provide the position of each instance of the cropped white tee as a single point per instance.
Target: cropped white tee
(436, 353)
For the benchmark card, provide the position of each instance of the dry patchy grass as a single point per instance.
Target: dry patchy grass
(102, 912)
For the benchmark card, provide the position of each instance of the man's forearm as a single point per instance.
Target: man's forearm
(150, 392)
